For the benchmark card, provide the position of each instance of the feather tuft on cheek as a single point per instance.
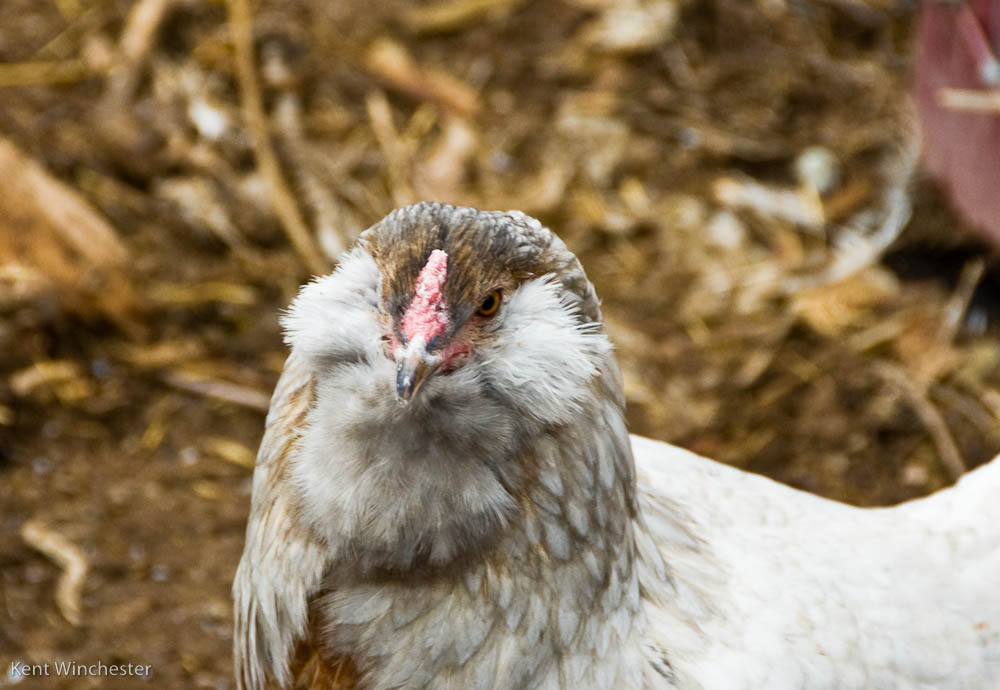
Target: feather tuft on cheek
(543, 358)
(334, 316)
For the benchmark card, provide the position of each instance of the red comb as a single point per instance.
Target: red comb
(427, 315)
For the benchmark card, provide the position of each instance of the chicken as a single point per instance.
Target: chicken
(447, 496)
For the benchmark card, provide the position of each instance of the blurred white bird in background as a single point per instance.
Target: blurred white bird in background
(446, 496)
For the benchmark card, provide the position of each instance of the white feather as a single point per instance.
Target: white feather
(788, 590)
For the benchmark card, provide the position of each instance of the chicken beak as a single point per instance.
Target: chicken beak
(413, 366)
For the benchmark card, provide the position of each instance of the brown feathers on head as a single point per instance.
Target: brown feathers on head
(486, 250)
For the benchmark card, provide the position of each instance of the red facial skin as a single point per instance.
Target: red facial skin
(453, 355)
(428, 315)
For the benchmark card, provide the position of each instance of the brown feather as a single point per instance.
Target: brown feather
(275, 532)
(311, 671)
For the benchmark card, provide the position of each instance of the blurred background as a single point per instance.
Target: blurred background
(789, 289)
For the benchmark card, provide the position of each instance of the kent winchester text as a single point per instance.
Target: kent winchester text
(20, 669)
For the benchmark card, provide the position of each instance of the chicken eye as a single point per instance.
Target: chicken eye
(490, 304)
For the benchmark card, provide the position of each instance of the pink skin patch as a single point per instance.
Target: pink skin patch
(451, 354)
(427, 315)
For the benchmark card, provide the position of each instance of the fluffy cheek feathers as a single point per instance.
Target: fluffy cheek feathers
(427, 315)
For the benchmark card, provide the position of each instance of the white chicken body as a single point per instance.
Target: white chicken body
(489, 533)
(777, 588)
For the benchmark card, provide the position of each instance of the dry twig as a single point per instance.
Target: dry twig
(230, 450)
(59, 207)
(969, 100)
(134, 46)
(391, 63)
(860, 247)
(450, 15)
(220, 390)
(285, 206)
(67, 556)
(26, 73)
(380, 116)
(48, 226)
(932, 420)
(957, 305)
(333, 221)
(23, 381)
(769, 202)
(440, 173)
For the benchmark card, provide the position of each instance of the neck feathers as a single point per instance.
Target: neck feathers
(553, 603)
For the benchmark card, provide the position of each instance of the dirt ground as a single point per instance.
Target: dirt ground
(734, 175)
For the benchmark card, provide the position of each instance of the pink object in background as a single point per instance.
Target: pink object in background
(957, 48)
